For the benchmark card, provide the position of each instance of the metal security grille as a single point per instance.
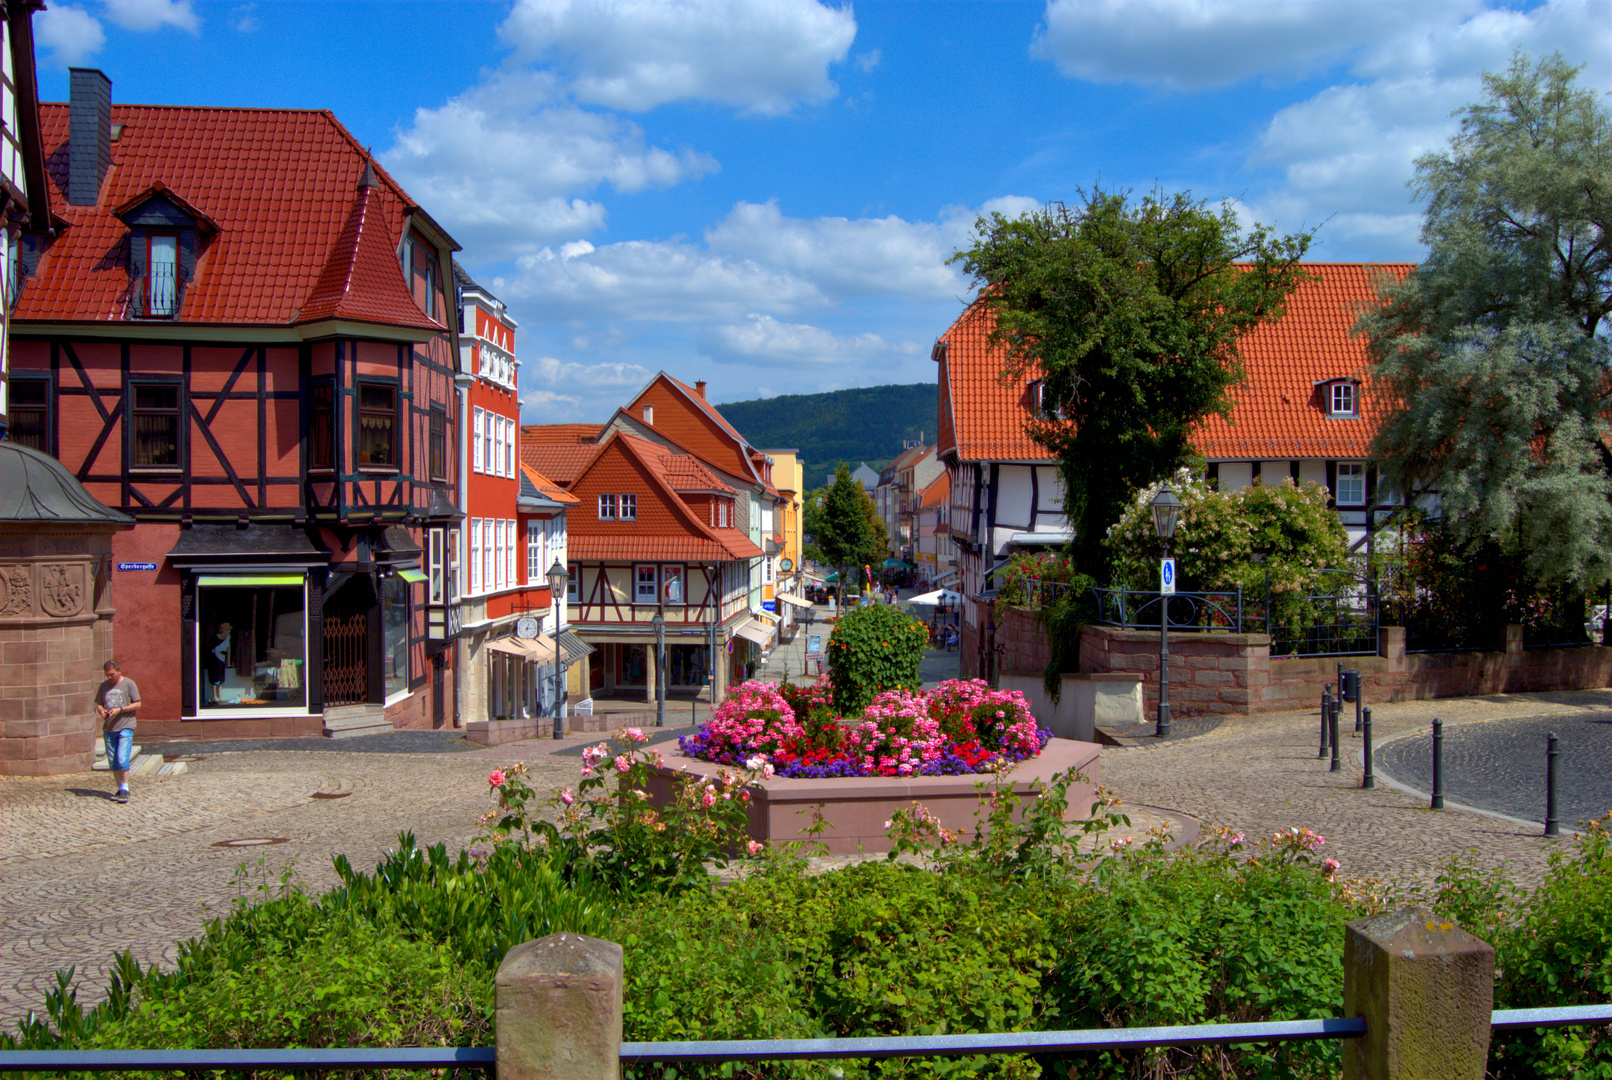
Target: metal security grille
(346, 648)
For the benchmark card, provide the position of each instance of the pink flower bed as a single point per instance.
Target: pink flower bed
(959, 727)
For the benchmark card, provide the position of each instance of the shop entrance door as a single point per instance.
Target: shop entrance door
(347, 618)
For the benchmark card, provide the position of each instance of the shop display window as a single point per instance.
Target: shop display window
(395, 634)
(252, 653)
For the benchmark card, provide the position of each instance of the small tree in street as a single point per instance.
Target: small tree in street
(1130, 313)
(1493, 355)
(849, 532)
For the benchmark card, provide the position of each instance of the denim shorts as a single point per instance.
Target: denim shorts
(119, 745)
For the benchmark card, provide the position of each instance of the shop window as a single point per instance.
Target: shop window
(377, 425)
(644, 582)
(154, 412)
(322, 425)
(439, 443)
(252, 644)
(1351, 483)
(395, 635)
(672, 584)
(29, 413)
(631, 665)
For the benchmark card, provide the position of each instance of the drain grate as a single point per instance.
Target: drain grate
(253, 841)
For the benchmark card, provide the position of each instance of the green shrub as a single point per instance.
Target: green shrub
(874, 648)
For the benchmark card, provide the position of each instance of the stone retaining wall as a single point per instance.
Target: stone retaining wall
(1235, 673)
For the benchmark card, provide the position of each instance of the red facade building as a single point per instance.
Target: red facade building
(243, 334)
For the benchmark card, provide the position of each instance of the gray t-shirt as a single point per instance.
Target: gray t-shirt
(117, 694)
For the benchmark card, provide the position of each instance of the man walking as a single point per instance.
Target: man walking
(116, 702)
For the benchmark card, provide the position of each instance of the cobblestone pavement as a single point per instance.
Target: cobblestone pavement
(85, 878)
(1500, 765)
(1259, 774)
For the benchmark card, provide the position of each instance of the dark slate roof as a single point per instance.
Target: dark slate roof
(35, 487)
(212, 545)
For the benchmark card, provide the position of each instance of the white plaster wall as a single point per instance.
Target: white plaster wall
(1313, 470)
(1236, 475)
(1274, 472)
(1013, 497)
(1051, 515)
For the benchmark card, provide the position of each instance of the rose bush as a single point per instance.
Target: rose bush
(962, 726)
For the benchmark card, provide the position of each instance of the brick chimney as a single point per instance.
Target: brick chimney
(699, 388)
(89, 137)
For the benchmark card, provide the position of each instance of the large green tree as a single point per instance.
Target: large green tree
(1494, 353)
(1131, 312)
(849, 533)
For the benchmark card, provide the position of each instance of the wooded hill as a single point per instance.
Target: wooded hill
(866, 424)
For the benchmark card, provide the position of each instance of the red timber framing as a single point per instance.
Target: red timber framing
(273, 435)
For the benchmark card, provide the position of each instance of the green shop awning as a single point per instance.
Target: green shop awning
(244, 581)
(412, 575)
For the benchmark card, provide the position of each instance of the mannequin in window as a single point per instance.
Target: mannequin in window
(217, 661)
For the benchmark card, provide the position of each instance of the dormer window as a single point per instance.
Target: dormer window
(1342, 398)
(1038, 401)
(161, 284)
(166, 237)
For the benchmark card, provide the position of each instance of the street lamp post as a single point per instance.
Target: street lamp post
(558, 576)
(1166, 509)
(659, 623)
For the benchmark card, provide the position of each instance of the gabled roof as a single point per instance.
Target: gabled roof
(986, 418)
(939, 489)
(159, 190)
(1276, 411)
(561, 463)
(702, 430)
(282, 188)
(537, 487)
(683, 472)
(561, 434)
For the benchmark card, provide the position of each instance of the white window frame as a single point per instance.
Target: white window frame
(671, 573)
(534, 549)
(509, 552)
(573, 583)
(1344, 393)
(435, 558)
(475, 555)
(489, 564)
(607, 508)
(645, 591)
(455, 585)
(478, 426)
(629, 507)
(1357, 476)
(722, 513)
(498, 449)
(509, 449)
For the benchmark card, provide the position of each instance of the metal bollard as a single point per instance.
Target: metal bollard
(1326, 705)
(1552, 752)
(1336, 765)
(1368, 779)
(1438, 764)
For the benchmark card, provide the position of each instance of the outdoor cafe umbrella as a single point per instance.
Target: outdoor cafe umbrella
(895, 564)
(937, 598)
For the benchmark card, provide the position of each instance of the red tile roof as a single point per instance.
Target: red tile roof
(683, 472)
(561, 464)
(282, 187)
(548, 488)
(650, 549)
(557, 434)
(1277, 411)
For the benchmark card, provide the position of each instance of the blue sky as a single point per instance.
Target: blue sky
(764, 194)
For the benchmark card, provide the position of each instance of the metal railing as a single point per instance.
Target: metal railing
(484, 1058)
(1140, 609)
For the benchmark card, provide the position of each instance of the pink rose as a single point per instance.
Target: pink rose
(623, 763)
(496, 778)
(567, 797)
(753, 847)
(633, 734)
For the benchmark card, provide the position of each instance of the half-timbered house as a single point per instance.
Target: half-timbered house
(656, 531)
(1300, 413)
(24, 206)
(242, 333)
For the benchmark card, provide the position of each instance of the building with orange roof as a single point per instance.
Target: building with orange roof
(932, 543)
(1301, 412)
(242, 330)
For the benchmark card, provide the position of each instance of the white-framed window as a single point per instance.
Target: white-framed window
(475, 555)
(479, 428)
(509, 449)
(456, 587)
(434, 557)
(629, 508)
(489, 557)
(1344, 399)
(509, 552)
(1351, 483)
(645, 582)
(722, 513)
(498, 449)
(766, 571)
(607, 508)
(572, 583)
(671, 584)
(535, 529)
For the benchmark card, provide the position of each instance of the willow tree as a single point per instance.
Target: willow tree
(1130, 313)
(1494, 353)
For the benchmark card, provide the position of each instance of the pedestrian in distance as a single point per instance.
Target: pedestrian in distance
(115, 703)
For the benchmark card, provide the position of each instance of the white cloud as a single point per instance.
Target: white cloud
(505, 164)
(142, 15)
(549, 371)
(763, 340)
(1346, 153)
(72, 35)
(243, 19)
(842, 257)
(1197, 44)
(867, 61)
(762, 56)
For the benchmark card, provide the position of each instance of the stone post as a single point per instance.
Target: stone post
(1425, 988)
(1391, 646)
(558, 1010)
